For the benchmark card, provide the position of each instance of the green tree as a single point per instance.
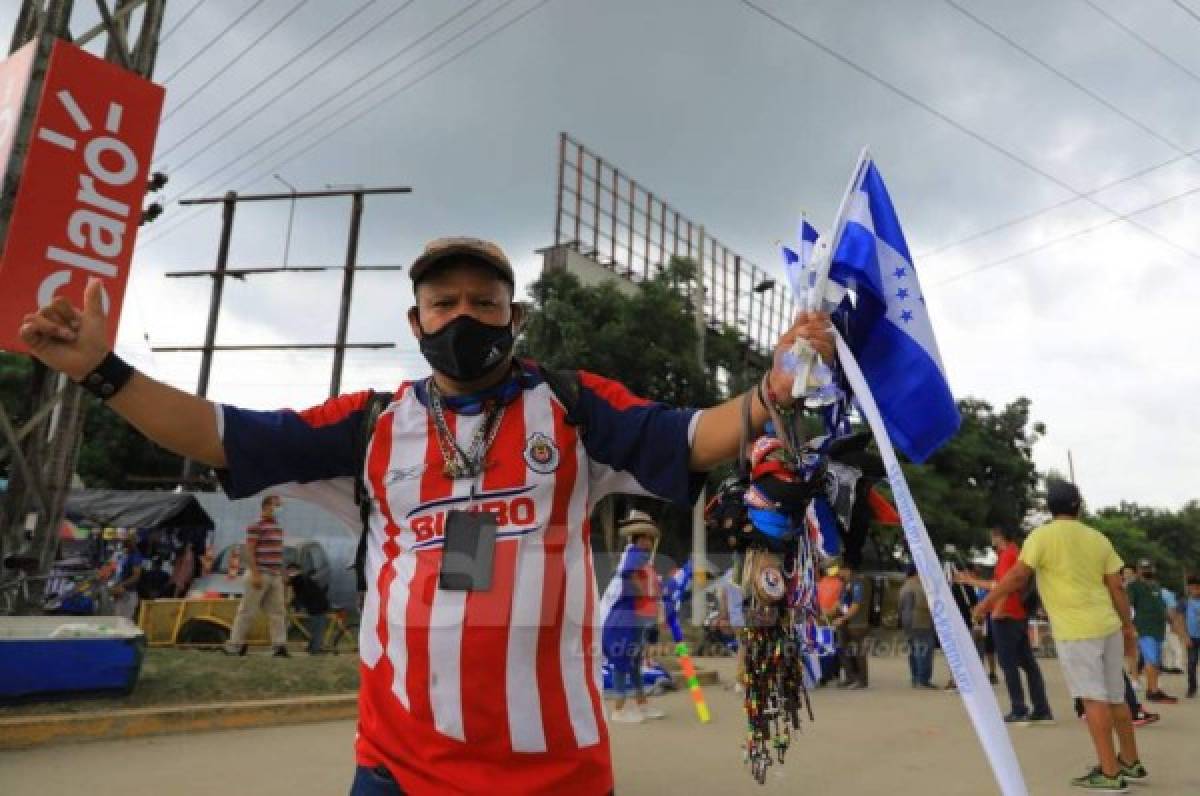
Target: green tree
(648, 341)
(983, 477)
(113, 454)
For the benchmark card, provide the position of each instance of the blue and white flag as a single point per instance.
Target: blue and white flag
(888, 325)
(799, 263)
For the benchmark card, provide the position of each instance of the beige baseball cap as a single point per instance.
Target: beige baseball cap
(440, 251)
(637, 523)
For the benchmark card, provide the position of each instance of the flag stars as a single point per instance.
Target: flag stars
(899, 273)
(902, 293)
(906, 316)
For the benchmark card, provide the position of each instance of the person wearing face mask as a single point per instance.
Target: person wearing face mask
(478, 640)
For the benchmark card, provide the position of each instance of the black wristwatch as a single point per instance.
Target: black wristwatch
(108, 377)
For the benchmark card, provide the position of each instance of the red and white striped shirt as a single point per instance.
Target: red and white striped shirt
(493, 691)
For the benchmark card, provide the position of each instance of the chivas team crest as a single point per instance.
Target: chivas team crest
(541, 454)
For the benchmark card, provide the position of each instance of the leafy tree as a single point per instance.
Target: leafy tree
(647, 341)
(113, 454)
(983, 477)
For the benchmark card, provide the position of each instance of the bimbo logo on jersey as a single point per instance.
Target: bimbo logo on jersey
(515, 511)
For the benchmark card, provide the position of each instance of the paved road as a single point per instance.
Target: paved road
(887, 740)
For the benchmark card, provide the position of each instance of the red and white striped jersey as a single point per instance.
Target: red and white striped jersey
(492, 691)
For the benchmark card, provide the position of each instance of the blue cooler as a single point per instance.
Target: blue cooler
(46, 655)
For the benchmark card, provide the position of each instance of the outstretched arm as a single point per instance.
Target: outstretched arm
(74, 342)
(1013, 581)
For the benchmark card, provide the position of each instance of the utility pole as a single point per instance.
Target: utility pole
(222, 271)
(45, 448)
(699, 546)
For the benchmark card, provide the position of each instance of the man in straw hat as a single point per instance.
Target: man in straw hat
(632, 601)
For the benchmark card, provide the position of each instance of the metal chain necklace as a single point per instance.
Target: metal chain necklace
(455, 462)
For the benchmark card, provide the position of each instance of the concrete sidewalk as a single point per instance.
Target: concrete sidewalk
(889, 739)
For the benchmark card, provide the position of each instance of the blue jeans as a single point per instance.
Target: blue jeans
(316, 625)
(374, 782)
(1014, 654)
(920, 656)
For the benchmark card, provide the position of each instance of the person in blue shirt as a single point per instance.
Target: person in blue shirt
(1191, 616)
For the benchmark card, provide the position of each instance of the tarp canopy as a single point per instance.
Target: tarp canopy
(136, 509)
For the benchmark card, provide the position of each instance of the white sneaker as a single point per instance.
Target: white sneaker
(628, 716)
(651, 712)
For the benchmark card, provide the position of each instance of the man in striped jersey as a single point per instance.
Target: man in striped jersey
(464, 690)
(265, 586)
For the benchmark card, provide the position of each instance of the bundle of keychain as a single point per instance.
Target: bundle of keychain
(778, 554)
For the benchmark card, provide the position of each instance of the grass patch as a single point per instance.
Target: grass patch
(188, 676)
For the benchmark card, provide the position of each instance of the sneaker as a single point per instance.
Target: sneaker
(651, 712)
(1143, 718)
(1097, 781)
(1041, 719)
(1161, 697)
(1134, 772)
(628, 716)
(1017, 718)
(856, 686)
(928, 686)
(239, 651)
(281, 652)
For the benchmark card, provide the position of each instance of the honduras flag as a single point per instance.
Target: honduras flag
(888, 326)
(800, 273)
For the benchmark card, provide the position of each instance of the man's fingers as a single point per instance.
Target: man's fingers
(62, 311)
(38, 327)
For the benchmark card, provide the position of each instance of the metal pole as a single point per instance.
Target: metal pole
(558, 199)
(1071, 465)
(287, 243)
(339, 350)
(214, 305)
(699, 553)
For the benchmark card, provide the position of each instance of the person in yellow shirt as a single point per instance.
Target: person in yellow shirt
(1079, 582)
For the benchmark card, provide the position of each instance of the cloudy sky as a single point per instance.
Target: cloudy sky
(1074, 119)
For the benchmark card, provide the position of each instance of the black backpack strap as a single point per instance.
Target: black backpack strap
(566, 387)
(376, 403)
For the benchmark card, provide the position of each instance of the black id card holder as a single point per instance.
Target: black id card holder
(467, 551)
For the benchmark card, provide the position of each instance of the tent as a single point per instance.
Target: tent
(136, 509)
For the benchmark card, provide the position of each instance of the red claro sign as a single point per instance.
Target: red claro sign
(80, 196)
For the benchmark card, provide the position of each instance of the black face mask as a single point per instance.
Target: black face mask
(466, 349)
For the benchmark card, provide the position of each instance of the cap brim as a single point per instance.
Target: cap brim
(431, 261)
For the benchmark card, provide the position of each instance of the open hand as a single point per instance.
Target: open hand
(67, 339)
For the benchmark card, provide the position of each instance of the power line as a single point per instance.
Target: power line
(955, 123)
(1112, 184)
(229, 106)
(1068, 236)
(208, 45)
(1057, 205)
(273, 138)
(179, 24)
(340, 110)
(1187, 10)
(1062, 75)
(1143, 40)
(229, 64)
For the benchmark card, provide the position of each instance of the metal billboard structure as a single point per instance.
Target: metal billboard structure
(606, 216)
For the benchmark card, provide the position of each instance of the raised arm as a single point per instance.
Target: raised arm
(1013, 581)
(719, 429)
(74, 342)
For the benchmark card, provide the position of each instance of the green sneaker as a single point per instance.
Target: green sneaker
(1095, 780)
(1134, 771)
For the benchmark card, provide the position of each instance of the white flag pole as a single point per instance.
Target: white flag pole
(959, 648)
(822, 257)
